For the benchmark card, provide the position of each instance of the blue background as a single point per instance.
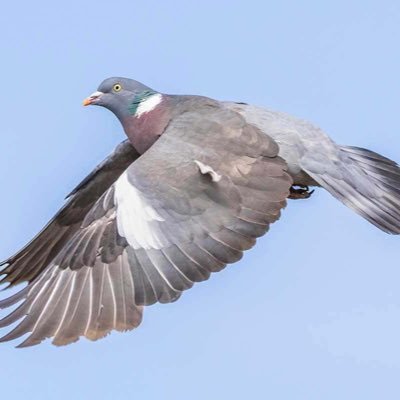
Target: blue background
(313, 312)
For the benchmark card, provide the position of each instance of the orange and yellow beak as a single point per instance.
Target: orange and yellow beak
(92, 98)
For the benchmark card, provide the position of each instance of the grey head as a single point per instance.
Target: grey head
(119, 95)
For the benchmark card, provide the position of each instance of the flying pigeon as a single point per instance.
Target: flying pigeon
(193, 187)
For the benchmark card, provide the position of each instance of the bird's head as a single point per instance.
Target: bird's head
(119, 95)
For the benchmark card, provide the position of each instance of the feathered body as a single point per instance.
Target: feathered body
(193, 187)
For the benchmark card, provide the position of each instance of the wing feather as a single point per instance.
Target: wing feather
(31, 260)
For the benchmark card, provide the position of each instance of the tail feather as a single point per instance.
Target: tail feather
(381, 169)
(369, 184)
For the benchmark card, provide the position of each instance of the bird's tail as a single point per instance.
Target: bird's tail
(370, 185)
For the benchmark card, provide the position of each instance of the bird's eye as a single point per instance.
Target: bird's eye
(117, 87)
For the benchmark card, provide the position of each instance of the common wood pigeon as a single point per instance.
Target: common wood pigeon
(193, 187)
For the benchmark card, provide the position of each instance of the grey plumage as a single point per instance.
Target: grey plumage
(363, 180)
(195, 185)
(193, 226)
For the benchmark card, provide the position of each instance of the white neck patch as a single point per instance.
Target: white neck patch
(148, 104)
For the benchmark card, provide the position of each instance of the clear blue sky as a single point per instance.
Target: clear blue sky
(313, 312)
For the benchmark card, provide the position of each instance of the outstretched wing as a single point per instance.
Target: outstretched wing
(31, 260)
(190, 205)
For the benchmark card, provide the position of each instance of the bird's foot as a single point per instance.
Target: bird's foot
(300, 192)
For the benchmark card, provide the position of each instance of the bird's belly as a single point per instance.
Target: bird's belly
(292, 154)
(300, 177)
